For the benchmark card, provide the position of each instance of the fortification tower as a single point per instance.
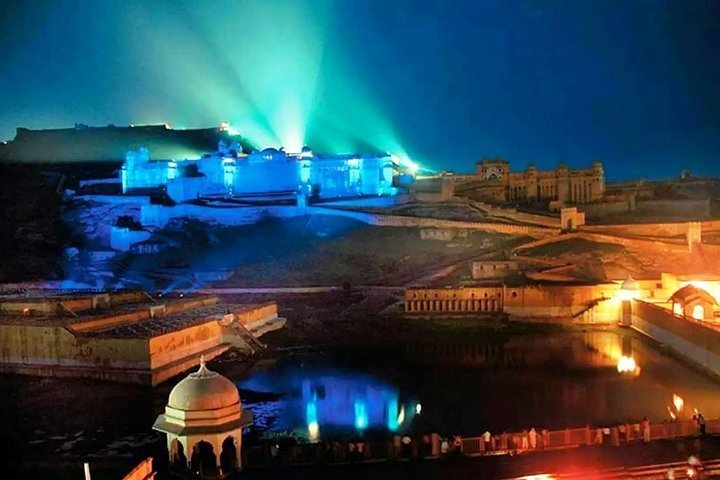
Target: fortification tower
(532, 181)
(597, 189)
(563, 183)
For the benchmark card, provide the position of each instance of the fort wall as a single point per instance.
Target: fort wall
(146, 344)
(692, 340)
(596, 210)
(526, 301)
(691, 208)
(45, 350)
(676, 229)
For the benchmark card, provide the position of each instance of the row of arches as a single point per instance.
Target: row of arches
(581, 192)
(478, 305)
(203, 458)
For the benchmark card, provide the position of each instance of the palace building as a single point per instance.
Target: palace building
(230, 172)
(493, 181)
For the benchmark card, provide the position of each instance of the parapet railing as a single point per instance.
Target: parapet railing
(429, 446)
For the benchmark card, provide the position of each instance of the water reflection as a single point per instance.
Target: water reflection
(317, 402)
(469, 385)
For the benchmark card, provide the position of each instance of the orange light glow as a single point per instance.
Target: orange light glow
(678, 402)
(626, 364)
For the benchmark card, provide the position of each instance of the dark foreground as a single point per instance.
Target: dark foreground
(583, 462)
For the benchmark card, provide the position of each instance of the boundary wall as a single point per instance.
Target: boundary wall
(54, 349)
(693, 340)
(158, 216)
(584, 303)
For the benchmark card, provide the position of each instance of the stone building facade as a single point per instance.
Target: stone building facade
(494, 268)
(568, 186)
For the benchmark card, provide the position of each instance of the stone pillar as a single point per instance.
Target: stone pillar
(694, 235)
(626, 313)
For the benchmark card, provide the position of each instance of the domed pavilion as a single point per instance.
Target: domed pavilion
(203, 423)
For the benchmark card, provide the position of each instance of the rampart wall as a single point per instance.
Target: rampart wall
(651, 229)
(521, 217)
(41, 306)
(54, 351)
(691, 208)
(526, 301)
(694, 341)
(595, 210)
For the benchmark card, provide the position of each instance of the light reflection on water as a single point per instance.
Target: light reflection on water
(317, 402)
(469, 385)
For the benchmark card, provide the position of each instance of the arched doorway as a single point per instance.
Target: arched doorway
(228, 455)
(177, 454)
(698, 312)
(203, 460)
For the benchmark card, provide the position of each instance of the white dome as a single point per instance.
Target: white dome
(203, 390)
(630, 284)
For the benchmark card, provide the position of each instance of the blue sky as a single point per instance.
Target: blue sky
(632, 83)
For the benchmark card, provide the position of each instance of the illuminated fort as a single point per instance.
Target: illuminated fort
(493, 181)
(231, 172)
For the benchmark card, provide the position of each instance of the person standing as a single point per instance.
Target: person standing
(396, 446)
(351, 452)
(360, 448)
(532, 437)
(457, 446)
(406, 446)
(487, 439)
(435, 447)
(701, 422)
(524, 439)
(646, 429)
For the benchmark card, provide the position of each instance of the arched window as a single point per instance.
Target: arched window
(203, 459)
(177, 454)
(228, 455)
(698, 312)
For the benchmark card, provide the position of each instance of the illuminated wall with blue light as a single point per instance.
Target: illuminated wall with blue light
(270, 171)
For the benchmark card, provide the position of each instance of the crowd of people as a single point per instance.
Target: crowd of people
(409, 447)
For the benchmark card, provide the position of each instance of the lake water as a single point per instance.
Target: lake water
(496, 382)
(464, 383)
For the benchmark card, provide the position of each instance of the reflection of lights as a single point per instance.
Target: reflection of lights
(678, 402)
(312, 421)
(313, 431)
(361, 418)
(626, 364)
(418, 409)
(392, 418)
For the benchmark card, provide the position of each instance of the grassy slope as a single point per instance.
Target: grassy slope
(366, 255)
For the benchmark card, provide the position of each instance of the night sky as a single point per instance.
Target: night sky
(635, 84)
